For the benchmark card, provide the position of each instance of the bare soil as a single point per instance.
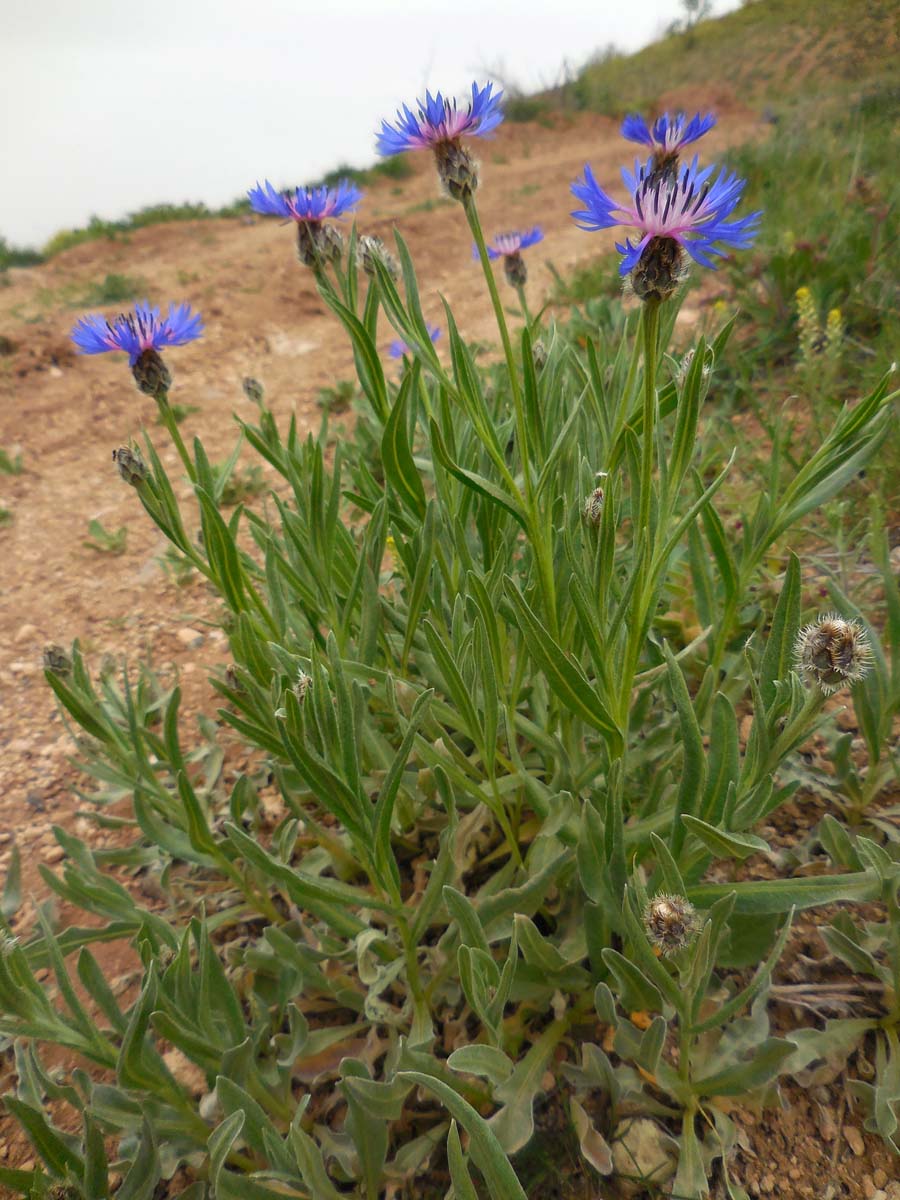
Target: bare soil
(263, 318)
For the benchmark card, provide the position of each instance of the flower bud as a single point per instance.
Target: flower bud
(661, 269)
(253, 389)
(539, 355)
(457, 169)
(832, 653)
(131, 466)
(372, 250)
(151, 374)
(56, 660)
(670, 923)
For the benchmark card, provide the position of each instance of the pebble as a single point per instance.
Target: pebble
(855, 1140)
(192, 638)
(53, 854)
(879, 1177)
(26, 633)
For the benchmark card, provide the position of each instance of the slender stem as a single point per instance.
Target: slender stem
(650, 330)
(168, 419)
(524, 305)
(478, 235)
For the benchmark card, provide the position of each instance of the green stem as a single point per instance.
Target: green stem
(168, 419)
(650, 330)
(478, 235)
(524, 305)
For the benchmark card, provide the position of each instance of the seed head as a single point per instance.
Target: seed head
(539, 355)
(670, 922)
(302, 686)
(592, 509)
(833, 652)
(130, 465)
(56, 660)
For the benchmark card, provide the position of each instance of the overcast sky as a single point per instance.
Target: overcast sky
(107, 106)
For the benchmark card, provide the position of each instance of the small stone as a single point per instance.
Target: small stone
(767, 1183)
(868, 1187)
(192, 638)
(53, 854)
(879, 1177)
(187, 1073)
(26, 633)
(855, 1140)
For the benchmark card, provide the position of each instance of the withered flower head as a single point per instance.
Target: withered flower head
(833, 652)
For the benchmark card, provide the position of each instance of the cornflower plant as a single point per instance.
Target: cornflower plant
(508, 809)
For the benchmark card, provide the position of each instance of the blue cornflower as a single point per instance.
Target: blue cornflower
(439, 120)
(438, 126)
(509, 247)
(683, 210)
(667, 135)
(305, 204)
(399, 347)
(141, 334)
(505, 244)
(310, 208)
(137, 332)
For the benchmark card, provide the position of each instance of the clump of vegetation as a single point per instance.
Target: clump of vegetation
(522, 676)
(106, 541)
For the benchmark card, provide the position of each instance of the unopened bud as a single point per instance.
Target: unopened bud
(131, 466)
(670, 923)
(457, 169)
(373, 250)
(151, 374)
(661, 269)
(833, 653)
(539, 355)
(253, 389)
(56, 660)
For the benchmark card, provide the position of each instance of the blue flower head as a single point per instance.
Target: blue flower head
(505, 244)
(138, 332)
(438, 121)
(310, 205)
(399, 347)
(687, 208)
(667, 135)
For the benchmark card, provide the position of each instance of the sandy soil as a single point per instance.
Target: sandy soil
(263, 318)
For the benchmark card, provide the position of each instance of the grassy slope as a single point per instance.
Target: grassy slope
(768, 51)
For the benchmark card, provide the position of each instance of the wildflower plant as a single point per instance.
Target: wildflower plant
(489, 834)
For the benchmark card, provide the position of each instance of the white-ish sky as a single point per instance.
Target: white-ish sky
(110, 105)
